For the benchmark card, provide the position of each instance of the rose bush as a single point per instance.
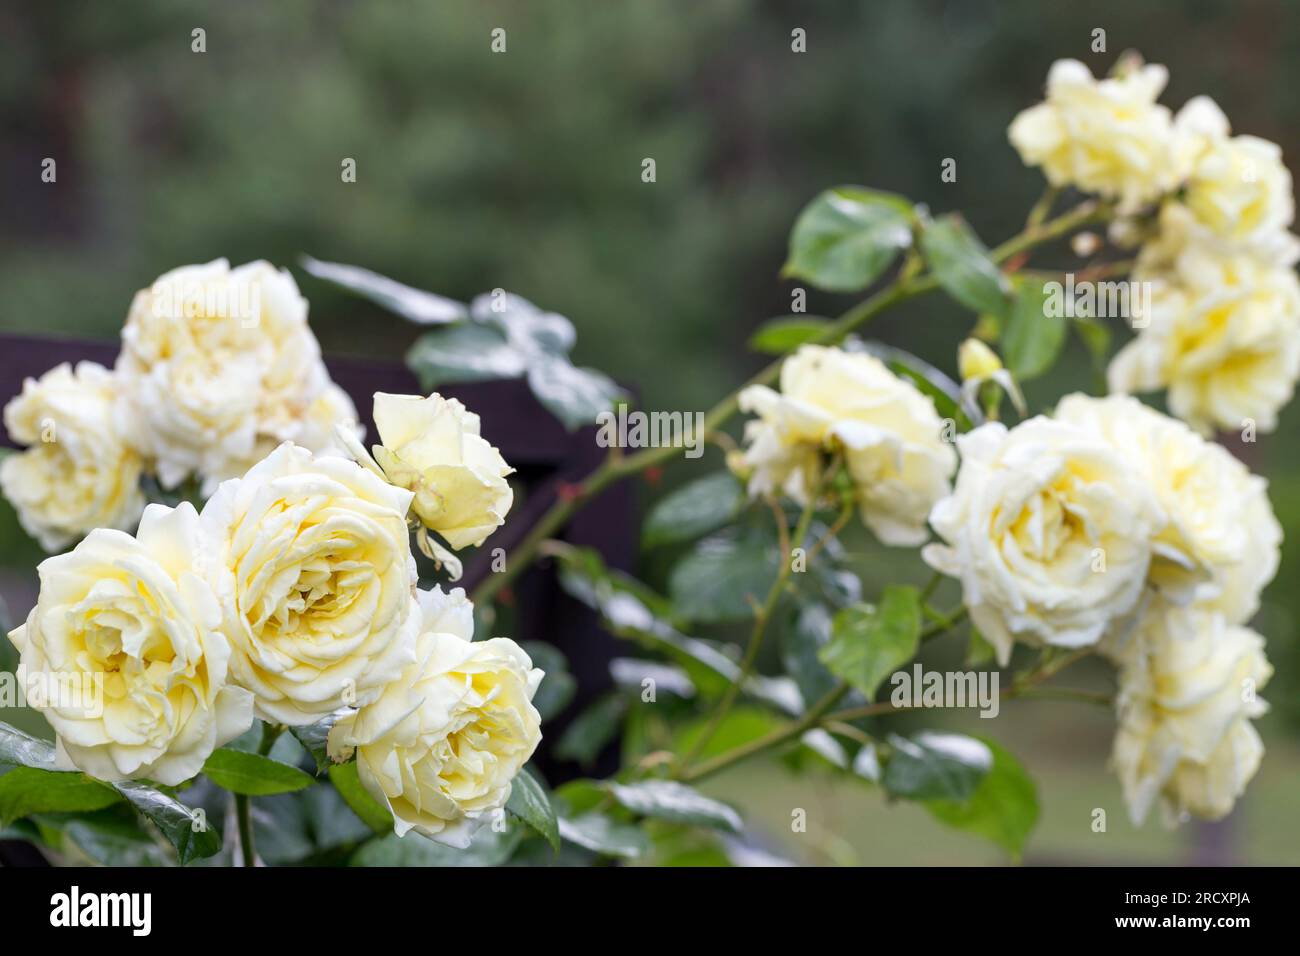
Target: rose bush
(1096, 527)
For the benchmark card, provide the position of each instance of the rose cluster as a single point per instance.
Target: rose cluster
(291, 596)
(218, 366)
(1210, 212)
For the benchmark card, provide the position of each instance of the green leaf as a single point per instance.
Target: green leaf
(724, 577)
(978, 651)
(348, 784)
(573, 395)
(558, 686)
(961, 264)
(801, 644)
(695, 509)
(669, 800)
(530, 803)
(630, 610)
(314, 738)
(111, 840)
(589, 732)
(463, 353)
(600, 834)
(847, 237)
(189, 832)
(24, 750)
(779, 336)
(415, 305)
(1034, 335)
(1003, 807)
(869, 642)
(1095, 336)
(25, 791)
(936, 766)
(253, 775)
(489, 848)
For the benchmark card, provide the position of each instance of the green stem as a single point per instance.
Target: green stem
(244, 804)
(761, 620)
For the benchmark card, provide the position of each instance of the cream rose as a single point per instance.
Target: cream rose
(78, 474)
(889, 433)
(1049, 532)
(1223, 338)
(1103, 136)
(312, 564)
(213, 360)
(1222, 538)
(134, 616)
(432, 447)
(1185, 703)
(442, 743)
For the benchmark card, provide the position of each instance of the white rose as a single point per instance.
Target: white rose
(214, 359)
(78, 474)
(1103, 136)
(432, 447)
(1186, 700)
(441, 745)
(312, 564)
(1223, 338)
(889, 433)
(134, 614)
(1049, 531)
(1222, 537)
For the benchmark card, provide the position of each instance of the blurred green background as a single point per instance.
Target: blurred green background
(523, 170)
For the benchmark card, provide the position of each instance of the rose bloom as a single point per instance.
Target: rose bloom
(442, 743)
(1223, 338)
(1222, 538)
(890, 435)
(135, 614)
(78, 474)
(213, 360)
(432, 447)
(1049, 532)
(1185, 703)
(312, 564)
(1103, 136)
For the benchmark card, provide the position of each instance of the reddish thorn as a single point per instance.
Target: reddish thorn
(567, 491)
(653, 475)
(506, 596)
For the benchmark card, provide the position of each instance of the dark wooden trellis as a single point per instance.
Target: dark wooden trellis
(532, 441)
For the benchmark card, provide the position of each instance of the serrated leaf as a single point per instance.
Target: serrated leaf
(847, 236)
(24, 750)
(801, 643)
(489, 847)
(192, 835)
(1035, 334)
(869, 642)
(347, 782)
(253, 775)
(723, 578)
(599, 834)
(695, 509)
(415, 305)
(558, 686)
(783, 335)
(463, 353)
(669, 800)
(936, 766)
(1003, 808)
(962, 266)
(589, 733)
(314, 738)
(530, 803)
(25, 791)
(573, 395)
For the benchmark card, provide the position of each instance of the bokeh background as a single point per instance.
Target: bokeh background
(522, 170)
